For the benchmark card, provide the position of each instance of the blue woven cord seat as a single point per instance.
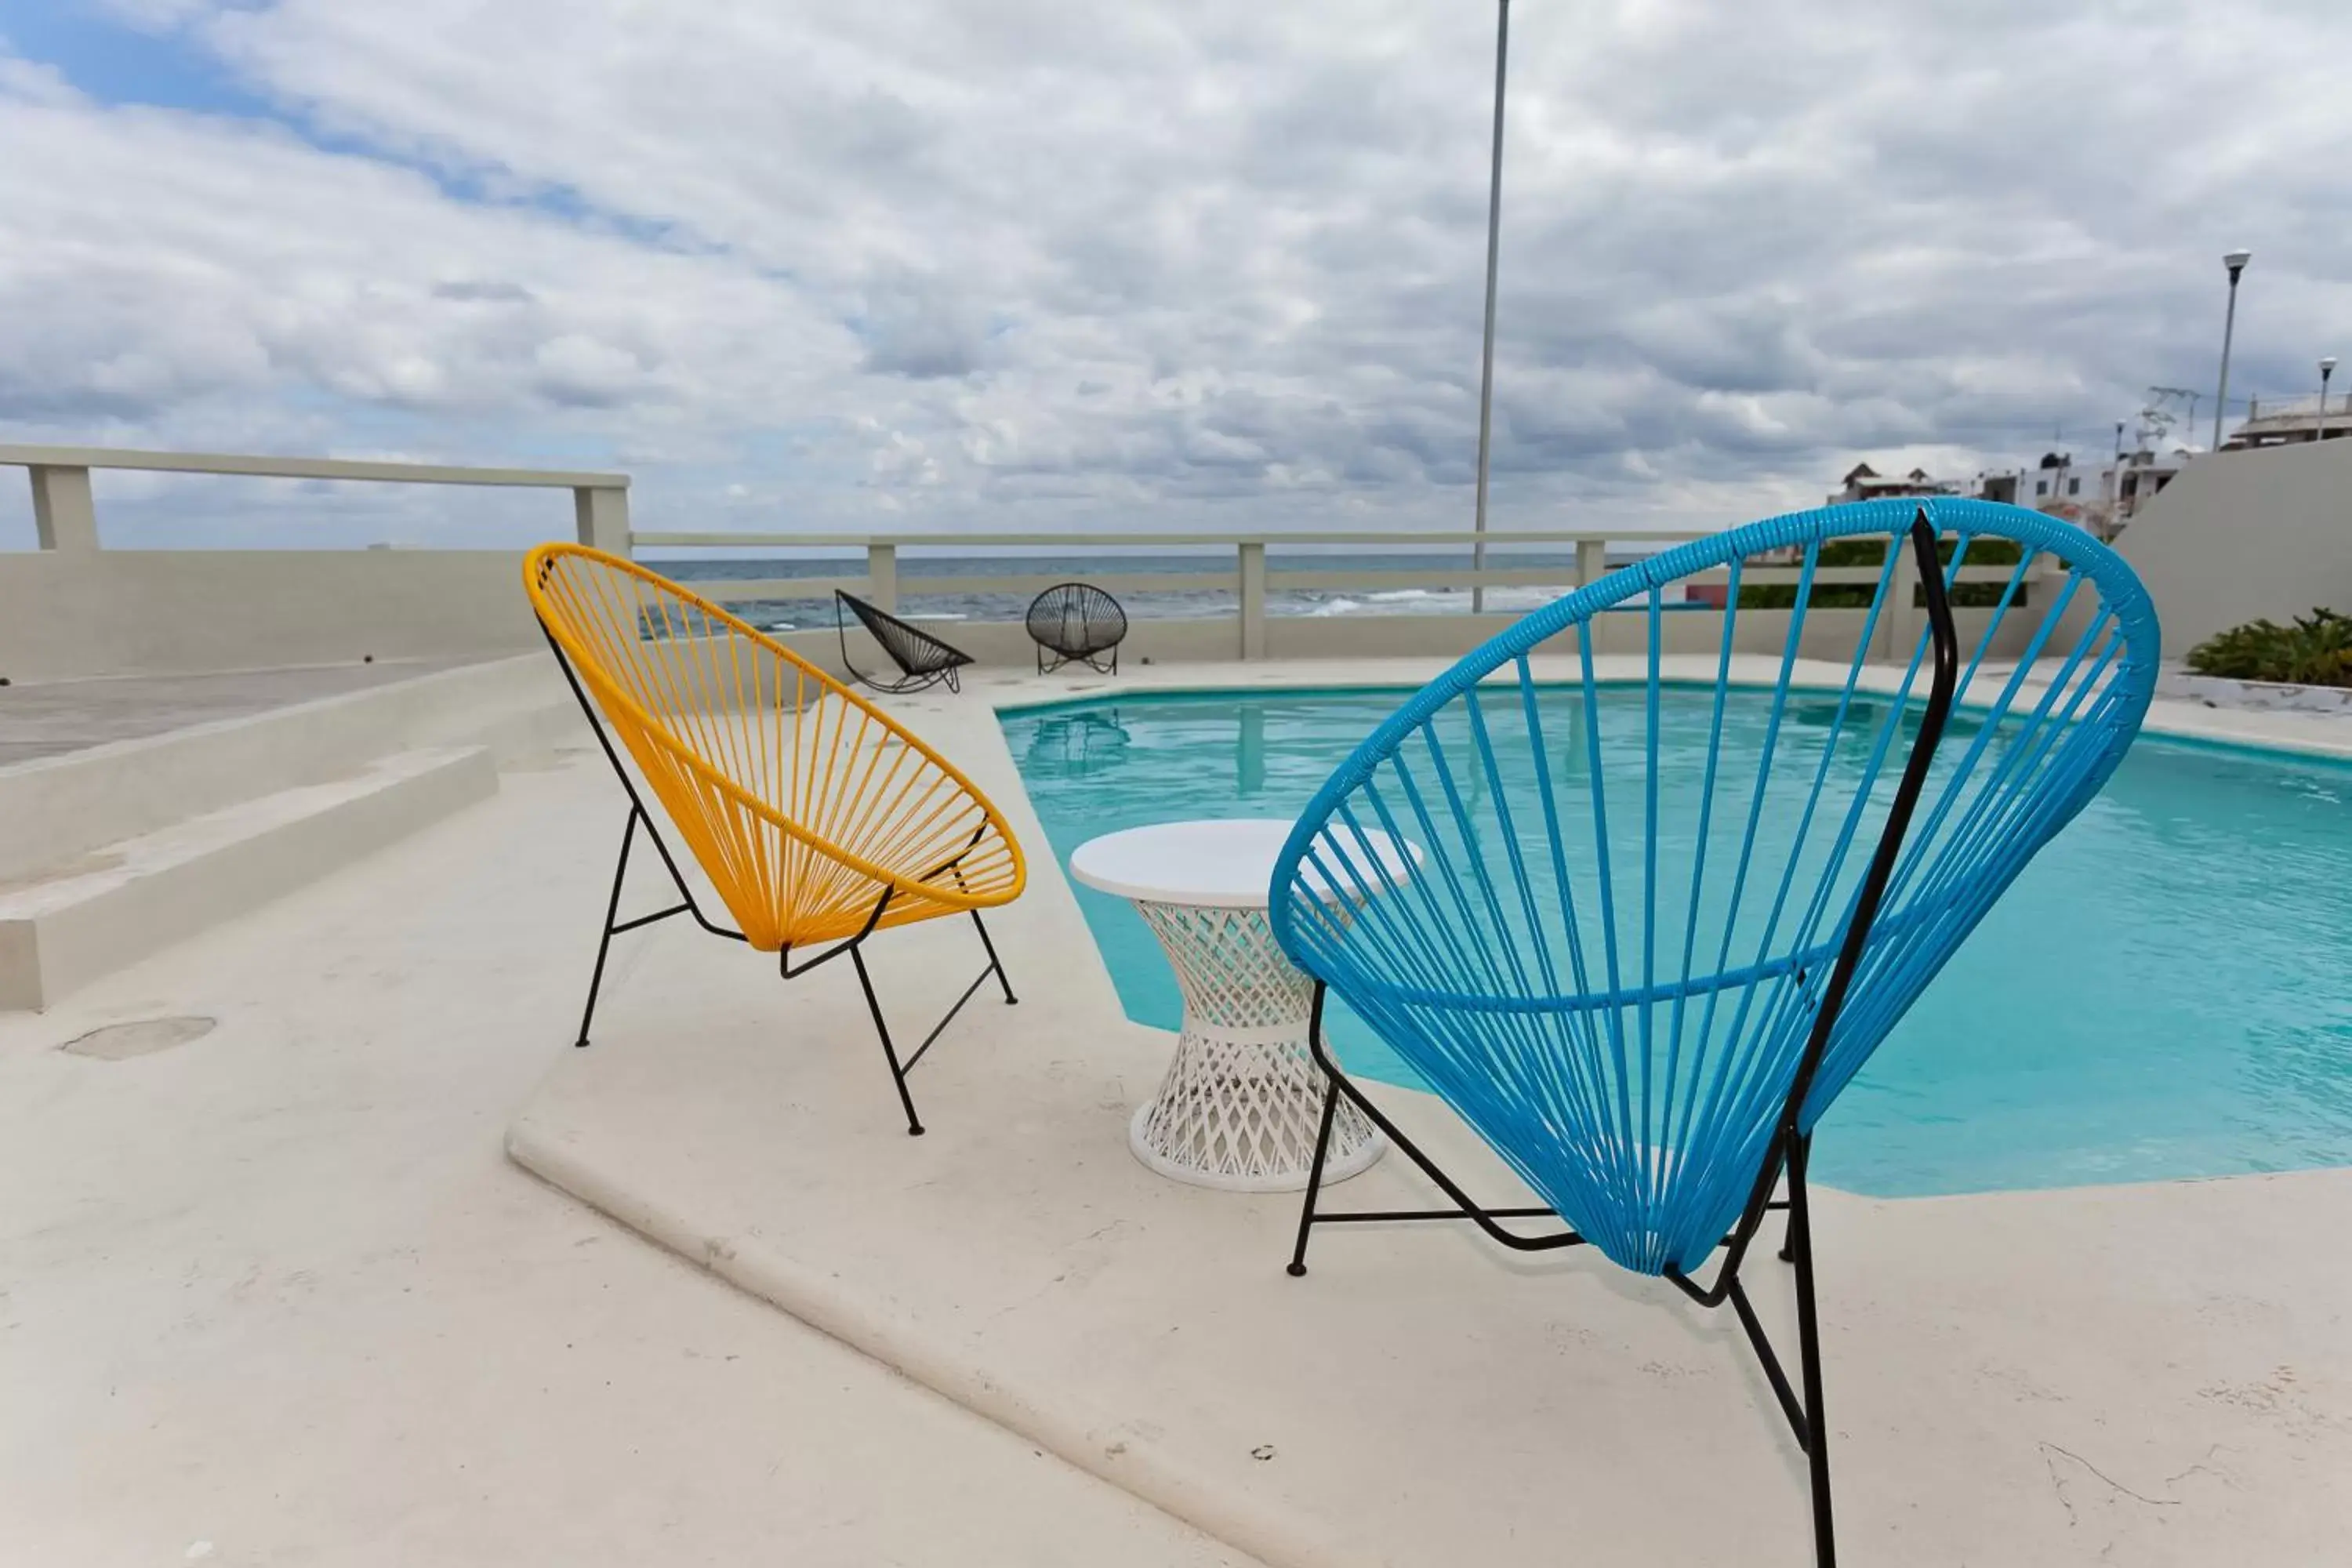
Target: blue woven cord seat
(1619, 959)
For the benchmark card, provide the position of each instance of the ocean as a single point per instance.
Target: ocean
(802, 613)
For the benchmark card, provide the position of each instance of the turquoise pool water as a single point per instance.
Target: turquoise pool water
(2166, 992)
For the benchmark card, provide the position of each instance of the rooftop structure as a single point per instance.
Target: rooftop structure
(2099, 497)
(1864, 482)
(2282, 422)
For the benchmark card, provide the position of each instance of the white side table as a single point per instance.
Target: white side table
(1243, 1097)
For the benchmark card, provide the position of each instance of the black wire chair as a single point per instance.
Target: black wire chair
(922, 659)
(1077, 623)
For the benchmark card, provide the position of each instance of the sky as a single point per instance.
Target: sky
(950, 266)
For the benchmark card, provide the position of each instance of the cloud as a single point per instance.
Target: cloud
(1005, 263)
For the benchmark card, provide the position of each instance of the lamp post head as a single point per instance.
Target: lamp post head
(2236, 261)
(2326, 367)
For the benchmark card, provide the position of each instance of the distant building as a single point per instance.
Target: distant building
(2100, 498)
(1867, 483)
(2288, 421)
(2056, 481)
(2143, 473)
(2082, 493)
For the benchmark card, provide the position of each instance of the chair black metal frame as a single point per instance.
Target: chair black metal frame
(1077, 623)
(1790, 1148)
(689, 905)
(905, 836)
(923, 660)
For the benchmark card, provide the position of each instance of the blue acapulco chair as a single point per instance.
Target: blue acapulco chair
(1644, 1004)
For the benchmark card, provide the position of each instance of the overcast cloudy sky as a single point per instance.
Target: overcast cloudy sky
(997, 264)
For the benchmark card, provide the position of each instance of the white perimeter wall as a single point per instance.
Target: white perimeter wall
(124, 612)
(147, 611)
(2245, 535)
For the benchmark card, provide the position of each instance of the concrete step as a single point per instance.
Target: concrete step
(62, 928)
(56, 811)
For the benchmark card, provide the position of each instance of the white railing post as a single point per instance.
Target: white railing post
(603, 513)
(882, 575)
(1901, 616)
(1591, 565)
(65, 518)
(1253, 597)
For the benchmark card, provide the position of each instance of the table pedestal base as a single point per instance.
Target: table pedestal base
(1243, 1099)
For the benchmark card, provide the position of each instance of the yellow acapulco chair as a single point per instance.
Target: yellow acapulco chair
(818, 819)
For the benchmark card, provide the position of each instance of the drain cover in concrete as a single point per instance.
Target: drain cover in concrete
(118, 1042)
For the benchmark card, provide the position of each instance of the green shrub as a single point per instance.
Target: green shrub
(1873, 552)
(2314, 651)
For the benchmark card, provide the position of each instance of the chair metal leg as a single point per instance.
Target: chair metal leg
(900, 1068)
(1297, 1264)
(1805, 1415)
(1465, 1206)
(994, 963)
(612, 914)
(890, 1051)
(1809, 1353)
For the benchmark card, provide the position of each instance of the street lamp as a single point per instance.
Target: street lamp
(1486, 363)
(2236, 262)
(2327, 369)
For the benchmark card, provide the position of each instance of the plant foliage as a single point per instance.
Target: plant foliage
(1873, 552)
(2316, 650)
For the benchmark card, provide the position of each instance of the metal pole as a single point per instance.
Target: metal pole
(2236, 262)
(2116, 483)
(2327, 369)
(1486, 361)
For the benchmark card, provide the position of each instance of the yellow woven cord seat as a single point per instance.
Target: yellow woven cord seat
(816, 816)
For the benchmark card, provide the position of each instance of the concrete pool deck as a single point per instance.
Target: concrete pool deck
(276, 1291)
(2157, 1373)
(276, 1295)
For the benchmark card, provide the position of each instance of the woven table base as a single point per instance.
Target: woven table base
(1243, 1097)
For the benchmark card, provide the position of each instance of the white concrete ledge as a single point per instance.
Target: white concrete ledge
(60, 931)
(1093, 1441)
(2256, 695)
(54, 810)
(303, 467)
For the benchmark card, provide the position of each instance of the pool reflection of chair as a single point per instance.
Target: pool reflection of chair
(1649, 1039)
(1073, 745)
(816, 817)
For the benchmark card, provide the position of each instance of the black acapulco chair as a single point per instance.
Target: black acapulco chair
(923, 660)
(1077, 623)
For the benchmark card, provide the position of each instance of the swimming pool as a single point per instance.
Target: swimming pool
(2166, 992)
